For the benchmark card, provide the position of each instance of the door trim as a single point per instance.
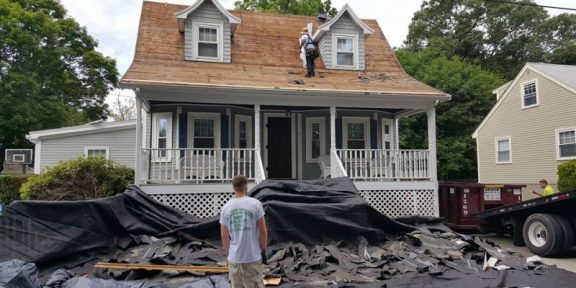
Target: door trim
(265, 138)
(392, 133)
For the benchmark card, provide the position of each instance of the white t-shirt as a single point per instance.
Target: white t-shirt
(240, 216)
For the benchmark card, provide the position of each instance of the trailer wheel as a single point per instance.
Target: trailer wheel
(543, 234)
(568, 234)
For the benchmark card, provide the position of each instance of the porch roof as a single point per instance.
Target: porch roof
(265, 55)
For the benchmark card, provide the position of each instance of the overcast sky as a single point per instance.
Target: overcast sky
(115, 23)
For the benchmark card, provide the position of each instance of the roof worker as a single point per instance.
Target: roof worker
(308, 52)
(546, 189)
(244, 237)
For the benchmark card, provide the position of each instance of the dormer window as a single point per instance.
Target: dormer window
(208, 42)
(346, 52)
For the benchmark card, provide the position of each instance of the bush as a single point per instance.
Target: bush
(567, 176)
(10, 187)
(79, 179)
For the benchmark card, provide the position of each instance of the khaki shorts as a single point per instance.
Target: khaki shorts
(248, 275)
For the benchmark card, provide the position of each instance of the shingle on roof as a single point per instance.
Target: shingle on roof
(265, 54)
(566, 74)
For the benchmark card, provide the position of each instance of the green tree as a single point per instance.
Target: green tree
(501, 37)
(470, 87)
(50, 74)
(297, 7)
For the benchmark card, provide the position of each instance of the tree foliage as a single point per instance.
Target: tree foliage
(470, 87)
(123, 110)
(50, 73)
(296, 7)
(499, 36)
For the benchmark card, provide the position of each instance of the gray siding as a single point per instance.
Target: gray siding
(344, 25)
(532, 132)
(207, 13)
(121, 143)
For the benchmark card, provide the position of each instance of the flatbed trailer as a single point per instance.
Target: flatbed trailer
(545, 225)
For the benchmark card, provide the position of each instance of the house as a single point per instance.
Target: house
(112, 140)
(221, 93)
(531, 129)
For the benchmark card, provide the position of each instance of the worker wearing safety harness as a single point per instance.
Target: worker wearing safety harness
(309, 50)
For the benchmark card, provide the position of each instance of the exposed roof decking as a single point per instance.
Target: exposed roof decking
(265, 55)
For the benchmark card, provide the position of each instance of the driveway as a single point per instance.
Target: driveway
(567, 262)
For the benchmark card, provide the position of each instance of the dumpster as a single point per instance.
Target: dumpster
(460, 201)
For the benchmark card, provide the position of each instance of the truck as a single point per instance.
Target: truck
(545, 225)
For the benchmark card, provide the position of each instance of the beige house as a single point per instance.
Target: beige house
(531, 129)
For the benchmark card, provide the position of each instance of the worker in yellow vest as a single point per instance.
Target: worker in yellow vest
(547, 190)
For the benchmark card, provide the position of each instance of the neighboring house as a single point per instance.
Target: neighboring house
(112, 140)
(531, 129)
(222, 92)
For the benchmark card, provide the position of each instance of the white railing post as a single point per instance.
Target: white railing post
(138, 169)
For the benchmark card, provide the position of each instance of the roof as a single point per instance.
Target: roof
(563, 75)
(90, 128)
(265, 55)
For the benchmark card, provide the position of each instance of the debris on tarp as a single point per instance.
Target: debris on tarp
(321, 233)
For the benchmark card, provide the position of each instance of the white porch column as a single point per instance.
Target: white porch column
(431, 113)
(333, 168)
(397, 133)
(257, 128)
(139, 137)
(433, 167)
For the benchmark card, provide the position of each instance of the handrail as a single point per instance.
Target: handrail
(385, 164)
(337, 168)
(260, 175)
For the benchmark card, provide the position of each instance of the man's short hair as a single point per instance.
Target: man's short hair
(239, 182)
(543, 181)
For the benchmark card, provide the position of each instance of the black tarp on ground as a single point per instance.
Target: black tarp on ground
(308, 212)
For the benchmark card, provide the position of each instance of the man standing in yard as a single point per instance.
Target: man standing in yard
(244, 236)
(546, 189)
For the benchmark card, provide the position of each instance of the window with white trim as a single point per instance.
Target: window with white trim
(204, 130)
(208, 41)
(243, 131)
(356, 132)
(503, 150)
(529, 94)
(346, 54)
(315, 139)
(566, 140)
(162, 135)
(96, 152)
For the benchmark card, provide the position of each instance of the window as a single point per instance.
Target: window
(566, 140)
(503, 150)
(529, 94)
(346, 51)
(204, 130)
(356, 133)
(387, 133)
(208, 42)
(243, 131)
(315, 139)
(162, 135)
(18, 158)
(96, 152)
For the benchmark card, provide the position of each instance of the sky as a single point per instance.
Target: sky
(114, 23)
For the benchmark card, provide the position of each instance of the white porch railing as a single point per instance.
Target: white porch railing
(259, 169)
(336, 167)
(380, 164)
(184, 166)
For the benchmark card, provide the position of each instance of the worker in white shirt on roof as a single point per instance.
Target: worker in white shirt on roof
(308, 51)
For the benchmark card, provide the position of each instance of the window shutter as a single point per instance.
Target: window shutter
(183, 130)
(339, 133)
(373, 134)
(224, 131)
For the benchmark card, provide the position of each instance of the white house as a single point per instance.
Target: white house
(222, 92)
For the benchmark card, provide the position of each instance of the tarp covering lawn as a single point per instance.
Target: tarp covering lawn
(321, 233)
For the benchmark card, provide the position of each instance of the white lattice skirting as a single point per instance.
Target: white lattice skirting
(393, 203)
(397, 203)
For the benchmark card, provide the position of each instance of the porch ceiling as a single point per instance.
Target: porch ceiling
(281, 98)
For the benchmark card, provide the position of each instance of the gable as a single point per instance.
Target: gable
(510, 101)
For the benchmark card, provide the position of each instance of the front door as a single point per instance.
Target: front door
(279, 148)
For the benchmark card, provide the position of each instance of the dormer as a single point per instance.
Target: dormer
(207, 28)
(342, 41)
